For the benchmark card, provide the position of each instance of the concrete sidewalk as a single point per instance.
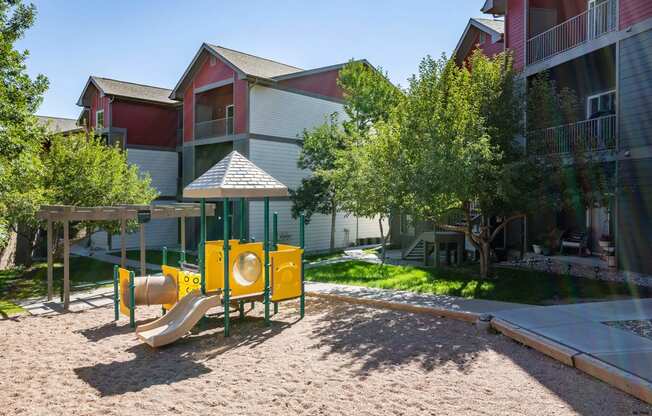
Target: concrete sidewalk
(580, 331)
(452, 303)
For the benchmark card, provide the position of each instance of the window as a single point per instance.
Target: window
(213, 61)
(602, 104)
(99, 119)
(483, 38)
(230, 113)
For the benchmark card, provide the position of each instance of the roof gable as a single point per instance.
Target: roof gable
(235, 176)
(494, 28)
(125, 89)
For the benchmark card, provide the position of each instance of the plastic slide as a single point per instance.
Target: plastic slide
(178, 321)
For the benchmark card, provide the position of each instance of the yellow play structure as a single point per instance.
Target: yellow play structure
(227, 275)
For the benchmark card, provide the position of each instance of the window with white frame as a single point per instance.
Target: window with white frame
(482, 38)
(99, 119)
(230, 113)
(602, 104)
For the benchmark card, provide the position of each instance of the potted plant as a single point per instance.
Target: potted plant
(537, 246)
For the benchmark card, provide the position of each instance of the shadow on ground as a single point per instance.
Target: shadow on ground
(387, 339)
(176, 362)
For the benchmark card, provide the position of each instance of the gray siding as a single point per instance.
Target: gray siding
(636, 91)
(634, 217)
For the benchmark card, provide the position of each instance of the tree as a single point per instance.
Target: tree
(20, 135)
(83, 171)
(368, 164)
(459, 130)
(317, 193)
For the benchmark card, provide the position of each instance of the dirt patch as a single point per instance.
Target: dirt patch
(341, 359)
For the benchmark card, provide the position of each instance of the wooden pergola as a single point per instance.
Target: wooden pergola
(123, 213)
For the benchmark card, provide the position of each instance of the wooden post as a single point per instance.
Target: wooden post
(50, 265)
(143, 267)
(123, 240)
(66, 264)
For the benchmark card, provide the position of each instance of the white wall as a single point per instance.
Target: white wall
(158, 233)
(347, 228)
(280, 160)
(279, 113)
(161, 165)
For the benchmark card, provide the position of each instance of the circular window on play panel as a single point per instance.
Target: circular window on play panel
(247, 269)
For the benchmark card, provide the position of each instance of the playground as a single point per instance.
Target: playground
(236, 333)
(340, 359)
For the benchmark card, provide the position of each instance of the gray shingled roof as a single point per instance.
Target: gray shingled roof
(254, 65)
(132, 90)
(235, 176)
(495, 25)
(59, 124)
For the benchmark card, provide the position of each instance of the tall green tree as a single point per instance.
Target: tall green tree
(20, 135)
(317, 193)
(460, 127)
(83, 171)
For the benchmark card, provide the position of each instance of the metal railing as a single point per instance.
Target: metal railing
(214, 128)
(591, 24)
(586, 136)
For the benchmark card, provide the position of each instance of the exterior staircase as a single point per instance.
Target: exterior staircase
(417, 252)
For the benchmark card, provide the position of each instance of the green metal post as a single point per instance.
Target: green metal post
(165, 256)
(275, 231)
(266, 247)
(132, 300)
(202, 242)
(116, 292)
(182, 256)
(241, 309)
(302, 244)
(243, 213)
(227, 290)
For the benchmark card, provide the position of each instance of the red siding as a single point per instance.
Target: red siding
(240, 97)
(634, 11)
(515, 31)
(488, 48)
(208, 74)
(324, 83)
(146, 124)
(98, 103)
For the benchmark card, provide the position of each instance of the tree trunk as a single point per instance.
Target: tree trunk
(485, 251)
(333, 219)
(26, 238)
(8, 253)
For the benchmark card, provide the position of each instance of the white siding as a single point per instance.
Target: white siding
(347, 228)
(158, 233)
(161, 165)
(281, 113)
(280, 161)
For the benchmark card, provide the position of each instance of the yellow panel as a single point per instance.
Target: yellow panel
(173, 272)
(214, 264)
(286, 274)
(188, 282)
(123, 275)
(258, 286)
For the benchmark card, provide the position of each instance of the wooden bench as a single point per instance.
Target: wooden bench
(576, 240)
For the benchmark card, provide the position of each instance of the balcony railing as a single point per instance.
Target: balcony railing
(585, 136)
(214, 128)
(591, 24)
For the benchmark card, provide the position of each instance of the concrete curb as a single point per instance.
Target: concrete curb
(402, 307)
(612, 375)
(544, 345)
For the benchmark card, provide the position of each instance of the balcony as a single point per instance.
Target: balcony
(214, 128)
(595, 135)
(593, 23)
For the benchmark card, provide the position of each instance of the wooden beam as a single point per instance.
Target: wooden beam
(143, 267)
(66, 265)
(50, 260)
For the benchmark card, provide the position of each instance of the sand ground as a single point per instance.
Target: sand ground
(340, 360)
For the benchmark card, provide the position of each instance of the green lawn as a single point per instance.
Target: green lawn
(156, 256)
(509, 285)
(19, 284)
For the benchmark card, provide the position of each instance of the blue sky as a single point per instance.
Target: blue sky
(152, 42)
